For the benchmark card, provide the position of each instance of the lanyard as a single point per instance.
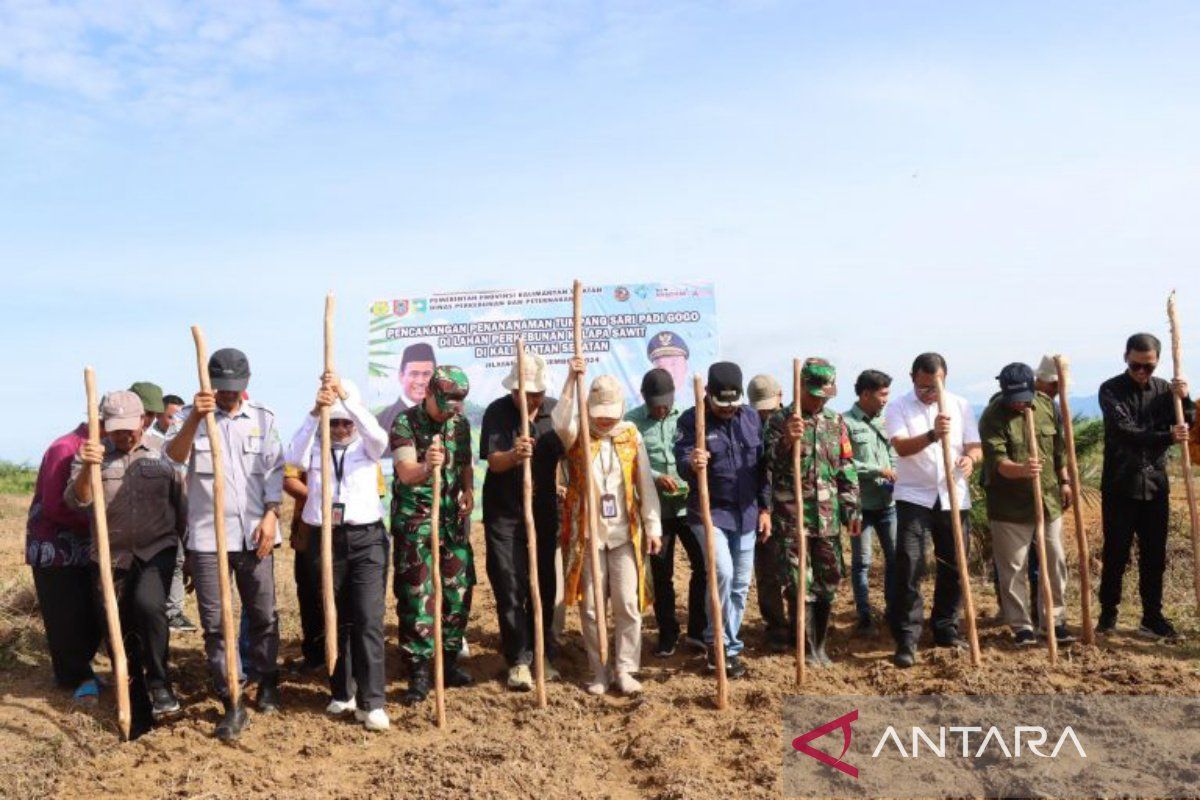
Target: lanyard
(606, 471)
(339, 466)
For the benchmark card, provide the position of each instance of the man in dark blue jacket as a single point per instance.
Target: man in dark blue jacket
(735, 471)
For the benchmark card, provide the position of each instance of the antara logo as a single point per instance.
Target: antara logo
(991, 742)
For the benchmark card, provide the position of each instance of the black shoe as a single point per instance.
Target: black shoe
(1062, 635)
(454, 676)
(302, 666)
(866, 627)
(419, 683)
(1107, 624)
(1158, 628)
(232, 723)
(779, 644)
(181, 623)
(268, 694)
(905, 657)
(163, 703)
(953, 641)
(1025, 638)
(735, 668)
(666, 646)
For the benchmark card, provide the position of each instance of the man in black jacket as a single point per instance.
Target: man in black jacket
(1139, 430)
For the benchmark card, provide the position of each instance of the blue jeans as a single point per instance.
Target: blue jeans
(881, 523)
(735, 566)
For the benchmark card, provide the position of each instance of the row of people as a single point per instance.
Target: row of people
(874, 472)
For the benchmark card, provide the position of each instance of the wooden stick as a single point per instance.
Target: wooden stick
(710, 552)
(228, 631)
(535, 591)
(1081, 540)
(960, 550)
(1185, 458)
(104, 556)
(435, 544)
(801, 533)
(1039, 516)
(591, 521)
(327, 478)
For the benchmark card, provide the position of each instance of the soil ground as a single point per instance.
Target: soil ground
(668, 743)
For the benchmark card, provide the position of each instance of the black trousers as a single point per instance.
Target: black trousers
(360, 567)
(68, 607)
(306, 572)
(1124, 520)
(508, 571)
(770, 593)
(142, 605)
(915, 526)
(662, 573)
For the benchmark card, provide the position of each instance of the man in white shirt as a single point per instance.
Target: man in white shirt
(916, 429)
(359, 542)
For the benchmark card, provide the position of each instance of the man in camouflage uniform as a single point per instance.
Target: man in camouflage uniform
(416, 456)
(830, 498)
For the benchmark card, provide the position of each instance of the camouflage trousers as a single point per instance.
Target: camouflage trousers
(413, 585)
(825, 565)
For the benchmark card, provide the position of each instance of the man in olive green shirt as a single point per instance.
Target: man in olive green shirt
(875, 463)
(1008, 475)
(657, 420)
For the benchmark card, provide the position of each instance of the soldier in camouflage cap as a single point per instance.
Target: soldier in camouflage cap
(831, 498)
(416, 456)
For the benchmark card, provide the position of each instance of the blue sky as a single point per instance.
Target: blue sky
(862, 181)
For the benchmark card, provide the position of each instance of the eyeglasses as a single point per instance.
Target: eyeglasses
(341, 423)
(1135, 366)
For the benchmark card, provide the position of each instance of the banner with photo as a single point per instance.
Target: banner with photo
(627, 329)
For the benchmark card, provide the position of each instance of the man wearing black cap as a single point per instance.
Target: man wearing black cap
(657, 420)
(252, 460)
(417, 364)
(735, 471)
(1008, 473)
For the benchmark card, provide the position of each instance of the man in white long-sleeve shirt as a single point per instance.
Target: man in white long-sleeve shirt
(629, 526)
(360, 542)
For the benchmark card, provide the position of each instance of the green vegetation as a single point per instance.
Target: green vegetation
(16, 478)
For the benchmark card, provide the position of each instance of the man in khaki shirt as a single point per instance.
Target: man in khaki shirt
(146, 516)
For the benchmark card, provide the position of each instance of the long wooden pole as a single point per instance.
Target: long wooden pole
(327, 478)
(1039, 516)
(1081, 540)
(590, 522)
(1185, 459)
(710, 552)
(435, 545)
(104, 557)
(535, 591)
(960, 550)
(228, 631)
(801, 533)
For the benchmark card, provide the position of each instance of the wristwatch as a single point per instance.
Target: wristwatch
(931, 435)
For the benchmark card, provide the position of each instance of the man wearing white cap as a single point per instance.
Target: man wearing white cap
(504, 450)
(360, 543)
(629, 525)
(146, 514)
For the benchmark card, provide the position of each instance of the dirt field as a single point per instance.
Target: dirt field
(669, 743)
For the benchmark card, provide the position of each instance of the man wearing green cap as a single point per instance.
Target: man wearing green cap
(831, 498)
(415, 457)
(151, 395)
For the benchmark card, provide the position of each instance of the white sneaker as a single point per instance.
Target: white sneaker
(520, 678)
(628, 685)
(374, 720)
(599, 684)
(338, 707)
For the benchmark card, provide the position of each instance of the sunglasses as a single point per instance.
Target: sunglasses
(341, 423)
(1134, 366)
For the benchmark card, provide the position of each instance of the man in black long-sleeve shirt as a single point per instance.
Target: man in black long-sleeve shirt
(1139, 430)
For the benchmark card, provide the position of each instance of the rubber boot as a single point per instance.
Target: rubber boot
(819, 621)
(420, 681)
(454, 676)
(233, 722)
(268, 694)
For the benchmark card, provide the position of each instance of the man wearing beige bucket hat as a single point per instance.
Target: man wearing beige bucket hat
(629, 525)
(504, 450)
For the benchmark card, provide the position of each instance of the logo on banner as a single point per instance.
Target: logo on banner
(402, 308)
(842, 723)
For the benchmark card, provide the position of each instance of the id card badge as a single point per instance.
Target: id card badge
(608, 506)
(339, 513)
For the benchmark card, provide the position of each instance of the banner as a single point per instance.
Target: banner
(628, 329)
